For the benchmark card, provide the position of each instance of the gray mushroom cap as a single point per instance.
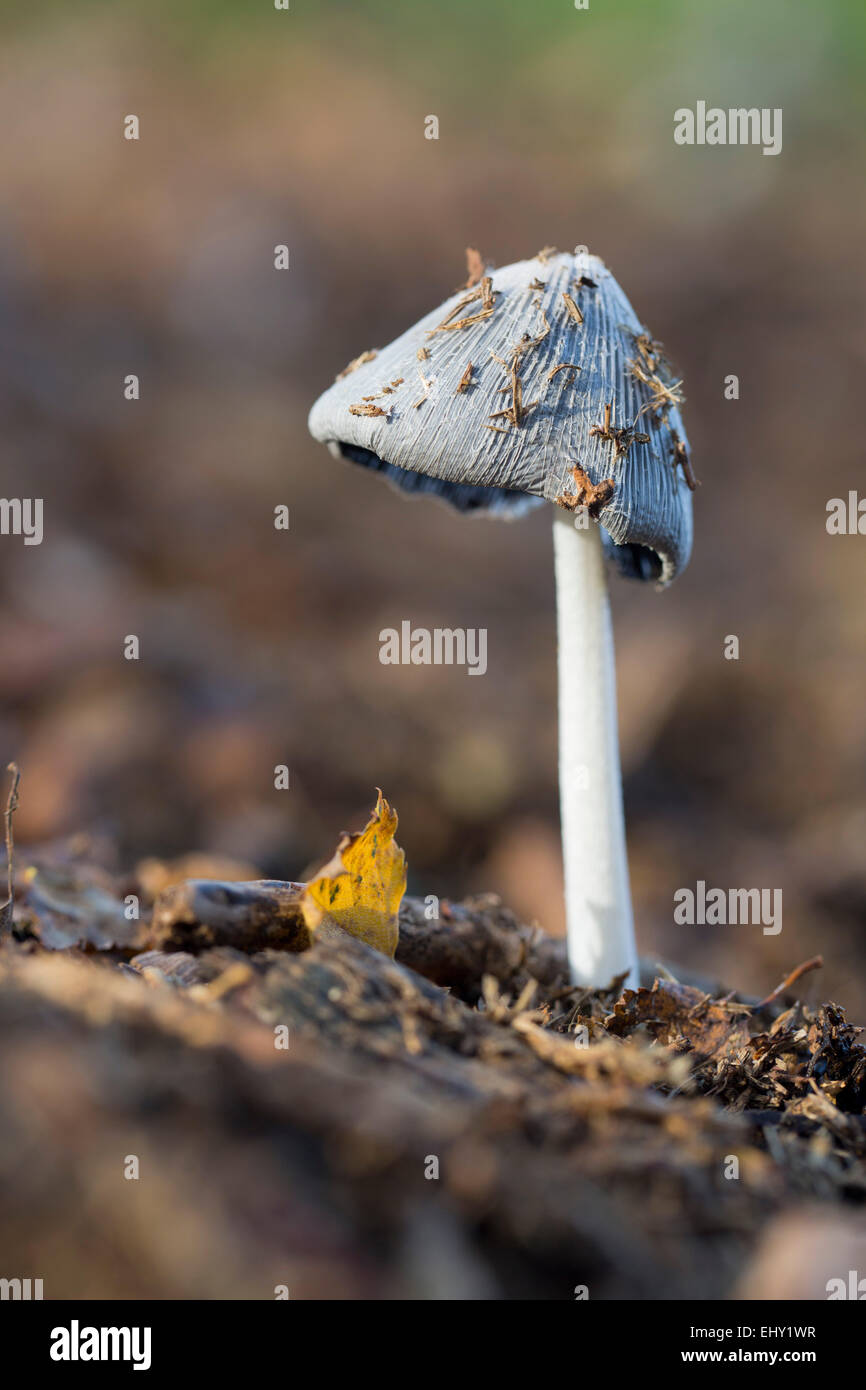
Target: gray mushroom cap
(414, 412)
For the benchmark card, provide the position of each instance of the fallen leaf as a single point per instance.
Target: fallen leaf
(361, 889)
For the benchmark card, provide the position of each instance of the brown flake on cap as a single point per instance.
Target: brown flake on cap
(465, 381)
(664, 392)
(571, 308)
(561, 367)
(485, 293)
(587, 494)
(622, 437)
(681, 459)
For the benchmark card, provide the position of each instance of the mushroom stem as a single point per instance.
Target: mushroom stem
(598, 908)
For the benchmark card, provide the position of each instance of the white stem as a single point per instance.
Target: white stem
(597, 897)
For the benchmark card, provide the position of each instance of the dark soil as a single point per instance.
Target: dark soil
(455, 1123)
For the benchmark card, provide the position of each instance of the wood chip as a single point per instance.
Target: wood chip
(572, 309)
(465, 381)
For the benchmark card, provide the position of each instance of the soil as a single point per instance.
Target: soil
(221, 1120)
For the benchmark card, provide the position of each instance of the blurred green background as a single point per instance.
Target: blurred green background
(261, 127)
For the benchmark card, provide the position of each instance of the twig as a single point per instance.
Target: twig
(561, 367)
(622, 437)
(664, 393)
(815, 963)
(605, 431)
(517, 411)
(681, 459)
(11, 807)
(485, 292)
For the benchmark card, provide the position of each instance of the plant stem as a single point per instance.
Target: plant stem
(598, 908)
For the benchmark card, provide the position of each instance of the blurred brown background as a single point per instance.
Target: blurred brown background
(260, 647)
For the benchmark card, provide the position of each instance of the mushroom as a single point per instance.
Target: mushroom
(569, 401)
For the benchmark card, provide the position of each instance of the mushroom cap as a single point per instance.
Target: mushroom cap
(429, 427)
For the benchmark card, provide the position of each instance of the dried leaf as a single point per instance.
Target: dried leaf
(361, 889)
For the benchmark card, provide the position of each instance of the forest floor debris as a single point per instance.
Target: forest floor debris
(458, 1121)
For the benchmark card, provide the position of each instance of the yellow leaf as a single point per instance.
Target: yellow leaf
(360, 890)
